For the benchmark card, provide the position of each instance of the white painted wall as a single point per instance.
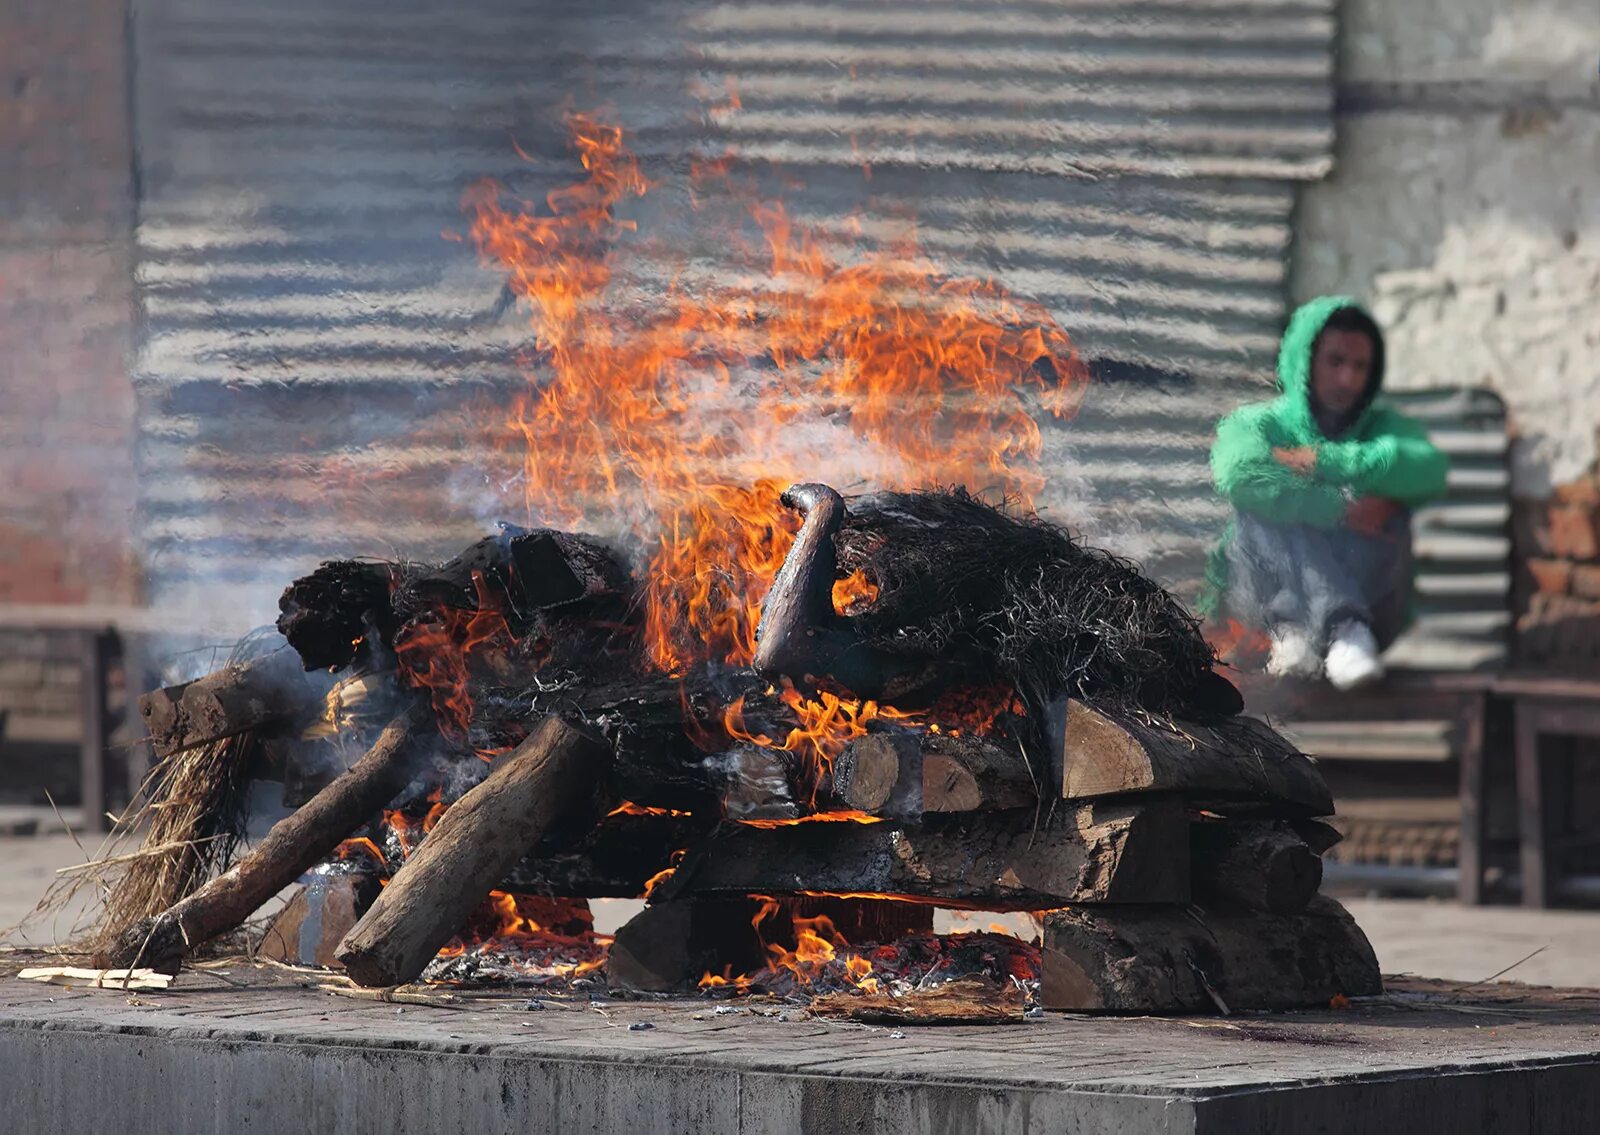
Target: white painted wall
(1465, 206)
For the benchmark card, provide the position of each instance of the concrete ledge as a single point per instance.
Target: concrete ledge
(268, 1060)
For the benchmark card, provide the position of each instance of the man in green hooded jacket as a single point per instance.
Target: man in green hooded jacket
(1322, 480)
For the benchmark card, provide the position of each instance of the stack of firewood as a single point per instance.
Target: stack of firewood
(1171, 845)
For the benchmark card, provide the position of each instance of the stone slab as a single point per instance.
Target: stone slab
(266, 1056)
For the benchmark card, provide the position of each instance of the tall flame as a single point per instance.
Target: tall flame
(675, 421)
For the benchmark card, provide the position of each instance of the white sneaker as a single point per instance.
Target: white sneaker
(1292, 656)
(1352, 658)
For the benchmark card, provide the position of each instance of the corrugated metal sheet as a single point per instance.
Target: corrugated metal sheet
(312, 340)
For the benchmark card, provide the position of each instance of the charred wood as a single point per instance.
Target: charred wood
(615, 860)
(1253, 865)
(669, 946)
(293, 846)
(1236, 766)
(1193, 960)
(269, 692)
(1017, 860)
(551, 782)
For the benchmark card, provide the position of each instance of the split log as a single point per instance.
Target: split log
(1189, 960)
(1100, 853)
(549, 782)
(292, 847)
(267, 692)
(1253, 865)
(907, 775)
(1238, 766)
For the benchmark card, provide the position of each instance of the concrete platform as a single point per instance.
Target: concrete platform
(265, 1056)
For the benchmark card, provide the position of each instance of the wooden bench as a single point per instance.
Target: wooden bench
(1433, 707)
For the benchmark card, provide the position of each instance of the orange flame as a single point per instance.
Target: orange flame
(825, 727)
(853, 592)
(437, 655)
(940, 379)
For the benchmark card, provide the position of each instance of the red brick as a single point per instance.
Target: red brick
(1585, 581)
(1573, 531)
(1551, 577)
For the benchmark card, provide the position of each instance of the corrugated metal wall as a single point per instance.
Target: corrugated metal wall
(312, 340)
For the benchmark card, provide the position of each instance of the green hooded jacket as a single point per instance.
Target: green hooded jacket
(1382, 454)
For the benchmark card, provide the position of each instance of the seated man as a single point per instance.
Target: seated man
(1322, 480)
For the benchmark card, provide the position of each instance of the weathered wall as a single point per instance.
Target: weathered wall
(1465, 205)
(66, 304)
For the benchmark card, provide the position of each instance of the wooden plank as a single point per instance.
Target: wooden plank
(1428, 740)
(1193, 960)
(1017, 860)
(1238, 767)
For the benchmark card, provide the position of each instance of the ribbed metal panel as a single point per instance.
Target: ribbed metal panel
(312, 338)
(1463, 542)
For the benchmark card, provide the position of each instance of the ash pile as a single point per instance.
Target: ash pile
(947, 705)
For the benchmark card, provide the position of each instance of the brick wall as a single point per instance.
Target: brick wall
(66, 304)
(1558, 557)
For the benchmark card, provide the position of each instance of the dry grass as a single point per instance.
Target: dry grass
(181, 829)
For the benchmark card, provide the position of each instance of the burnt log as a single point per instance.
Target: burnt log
(1237, 766)
(550, 782)
(291, 848)
(1194, 960)
(670, 946)
(269, 692)
(1016, 860)
(1253, 865)
(907, 775)
(616, 860)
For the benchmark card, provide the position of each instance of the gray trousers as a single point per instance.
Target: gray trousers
(1317, 578)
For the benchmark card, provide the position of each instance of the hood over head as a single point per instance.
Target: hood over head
(1294, 362)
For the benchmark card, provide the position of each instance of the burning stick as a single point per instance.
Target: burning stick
(291, 848)
(550, 780)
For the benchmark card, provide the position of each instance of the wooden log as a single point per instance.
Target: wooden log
(1238, 766)
(1253, 865)
(615, 860)
(1193, 960)
(266, 692)
(550, 781)
(907, 775)
(291, 848)
(1101, 853)
(670, 946)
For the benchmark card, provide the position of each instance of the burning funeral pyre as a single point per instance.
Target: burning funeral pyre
(795, 722)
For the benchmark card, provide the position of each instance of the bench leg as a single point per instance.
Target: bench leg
(96, 647)
(1473, 789)
(1532, 813)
